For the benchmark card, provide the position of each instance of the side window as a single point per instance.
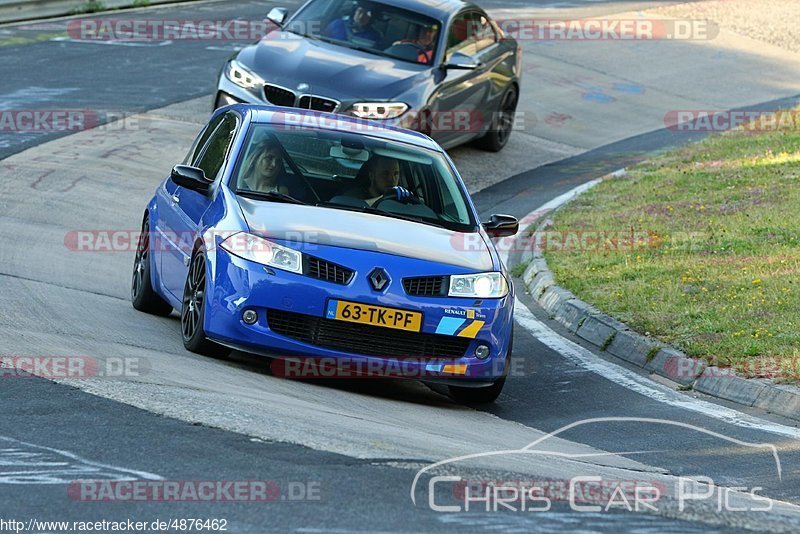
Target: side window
(216, 150)
(458, 38)
(484, 35)
(200, 142)
(470, 33)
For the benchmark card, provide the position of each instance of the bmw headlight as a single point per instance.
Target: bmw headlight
(241, 76)
(378, 110)
(481, 286)
(257, 249)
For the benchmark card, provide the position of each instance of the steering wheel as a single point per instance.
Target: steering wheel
(393, 196)
(420, 50)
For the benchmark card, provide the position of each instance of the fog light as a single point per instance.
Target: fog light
(250, 317)
(482, 352)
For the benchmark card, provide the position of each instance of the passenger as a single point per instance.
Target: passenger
(263, 171)
(426, 41)
(357, 27)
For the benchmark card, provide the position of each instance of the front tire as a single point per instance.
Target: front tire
(193, 311)
(502, 124)
(470, 396)
(143, 296)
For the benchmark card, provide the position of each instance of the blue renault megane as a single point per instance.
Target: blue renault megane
(294, 233)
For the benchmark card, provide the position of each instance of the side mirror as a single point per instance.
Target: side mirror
(459, 61)
(190, 178)
(501, 226)
(277, 15)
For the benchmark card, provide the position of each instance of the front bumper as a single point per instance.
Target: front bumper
(236, 285)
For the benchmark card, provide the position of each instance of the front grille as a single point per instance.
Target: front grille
(325, 270)
(317, 103)
(426, 286)
(365, 339)
(279, 96)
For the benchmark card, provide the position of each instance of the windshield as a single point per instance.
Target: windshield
(370, 26)
(348, 171)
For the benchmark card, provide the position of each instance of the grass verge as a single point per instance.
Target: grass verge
(699, 247)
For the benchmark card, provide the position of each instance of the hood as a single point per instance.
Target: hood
(334, 71)
(364, 231)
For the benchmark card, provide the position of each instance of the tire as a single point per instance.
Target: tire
(470, 396)
(485, 395)
(193, 311)
(502, 124)
(143, 296)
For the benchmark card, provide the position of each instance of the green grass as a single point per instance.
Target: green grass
(718, 271)
(519, 269)
(89, 6)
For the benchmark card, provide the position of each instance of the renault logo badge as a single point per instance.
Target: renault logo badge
(379, 279)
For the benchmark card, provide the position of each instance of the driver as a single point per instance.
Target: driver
(263, 170)
(426, 37)
(359, 26)
(383, 174)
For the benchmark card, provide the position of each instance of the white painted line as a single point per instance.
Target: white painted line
(618, 374)
(26, 463)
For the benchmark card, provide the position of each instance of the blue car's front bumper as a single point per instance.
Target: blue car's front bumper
(236, 284)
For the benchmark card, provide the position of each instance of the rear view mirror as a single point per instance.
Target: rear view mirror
(277, 15)
(501, 226)
(349, 153)
(190, 177)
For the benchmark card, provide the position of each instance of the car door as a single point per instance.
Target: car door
(165, 203)
(461, 96)
(187, 206)
(497, 55)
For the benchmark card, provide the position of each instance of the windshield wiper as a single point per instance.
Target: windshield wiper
(301, 34)
(270, 196)
(374, 211)
(353, 46)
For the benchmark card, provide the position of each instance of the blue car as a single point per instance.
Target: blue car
(298, 234)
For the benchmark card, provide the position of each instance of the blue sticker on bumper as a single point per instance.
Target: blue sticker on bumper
(449, 325)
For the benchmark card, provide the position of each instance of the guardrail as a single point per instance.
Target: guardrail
(20, 10)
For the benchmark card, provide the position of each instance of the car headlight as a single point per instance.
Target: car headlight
(257, 249)
(481, 286)
(241, 76)
(378, 110)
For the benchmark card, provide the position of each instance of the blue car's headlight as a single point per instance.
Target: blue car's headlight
(241, 76)
(257, 249)
(481, 286)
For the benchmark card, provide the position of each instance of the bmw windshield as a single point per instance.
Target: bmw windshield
(370, 26)
(349, 171)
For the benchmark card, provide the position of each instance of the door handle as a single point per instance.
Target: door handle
(176, 199)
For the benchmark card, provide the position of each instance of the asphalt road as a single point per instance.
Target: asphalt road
(352, 448)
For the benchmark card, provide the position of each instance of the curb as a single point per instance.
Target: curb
(613, 337)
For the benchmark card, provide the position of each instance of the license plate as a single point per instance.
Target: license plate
(353, 312)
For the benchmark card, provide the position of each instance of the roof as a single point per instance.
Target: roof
(300, 118)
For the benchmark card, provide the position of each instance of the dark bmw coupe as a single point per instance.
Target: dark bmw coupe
(441, 67)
